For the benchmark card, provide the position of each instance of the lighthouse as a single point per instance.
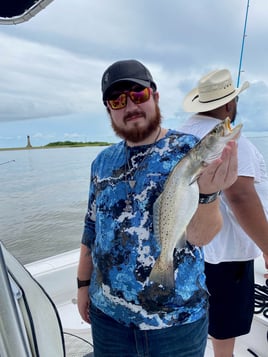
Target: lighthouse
(29, 145)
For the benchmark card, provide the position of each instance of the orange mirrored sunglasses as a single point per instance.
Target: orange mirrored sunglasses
(118, 100)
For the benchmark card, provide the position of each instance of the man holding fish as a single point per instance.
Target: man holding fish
(230, 256)
(153, 203)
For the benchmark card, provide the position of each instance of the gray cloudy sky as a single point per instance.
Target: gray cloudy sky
(51, 66)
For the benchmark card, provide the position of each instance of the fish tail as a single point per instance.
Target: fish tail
(163, 275)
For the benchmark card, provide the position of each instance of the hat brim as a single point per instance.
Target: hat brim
(191, 102)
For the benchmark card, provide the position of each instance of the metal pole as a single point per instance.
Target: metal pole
(242, 47)
(12, 337)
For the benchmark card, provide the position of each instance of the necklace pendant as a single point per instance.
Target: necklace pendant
(128, 207)
(132, 183)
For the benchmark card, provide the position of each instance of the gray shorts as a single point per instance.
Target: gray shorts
(231, 288)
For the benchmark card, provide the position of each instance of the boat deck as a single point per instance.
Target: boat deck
(77, 347)
(77, 333)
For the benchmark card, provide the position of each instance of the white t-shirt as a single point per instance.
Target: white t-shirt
(232, 243)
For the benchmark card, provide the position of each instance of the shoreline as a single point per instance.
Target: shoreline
(56, 146)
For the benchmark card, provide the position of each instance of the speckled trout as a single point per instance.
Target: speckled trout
(178, 202)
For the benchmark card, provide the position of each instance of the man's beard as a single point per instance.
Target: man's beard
(137, 134)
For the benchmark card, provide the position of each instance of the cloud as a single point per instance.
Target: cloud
(253, 105)
(45, 81)
(51, 66)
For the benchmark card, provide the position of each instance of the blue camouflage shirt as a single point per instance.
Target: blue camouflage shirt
(120, 234)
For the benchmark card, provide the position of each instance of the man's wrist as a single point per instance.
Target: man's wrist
(82, 283)
(205, 198)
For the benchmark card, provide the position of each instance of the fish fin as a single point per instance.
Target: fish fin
(156, 219)
(198, 174)
(163, 275)
(194, 179)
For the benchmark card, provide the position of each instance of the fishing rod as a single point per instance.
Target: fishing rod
(242, 47)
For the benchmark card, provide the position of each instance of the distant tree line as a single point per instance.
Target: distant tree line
(77, 143)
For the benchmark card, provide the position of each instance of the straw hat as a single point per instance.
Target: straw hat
(214, 90)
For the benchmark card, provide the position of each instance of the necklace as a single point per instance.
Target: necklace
(129, 171)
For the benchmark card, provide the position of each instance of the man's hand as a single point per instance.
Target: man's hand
(83, 303)
(222, 172)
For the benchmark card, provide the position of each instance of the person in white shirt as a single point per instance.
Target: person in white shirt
(230, 255)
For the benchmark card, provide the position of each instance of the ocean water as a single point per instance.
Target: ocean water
(43, 198)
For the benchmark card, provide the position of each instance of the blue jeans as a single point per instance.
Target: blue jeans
(112, 339)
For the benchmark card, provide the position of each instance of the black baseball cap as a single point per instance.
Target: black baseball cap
(126, 70)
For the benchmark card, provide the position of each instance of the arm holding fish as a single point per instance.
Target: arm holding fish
(217, 176)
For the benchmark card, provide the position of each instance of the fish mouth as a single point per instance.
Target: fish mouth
(229, 131)
(227, 124)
